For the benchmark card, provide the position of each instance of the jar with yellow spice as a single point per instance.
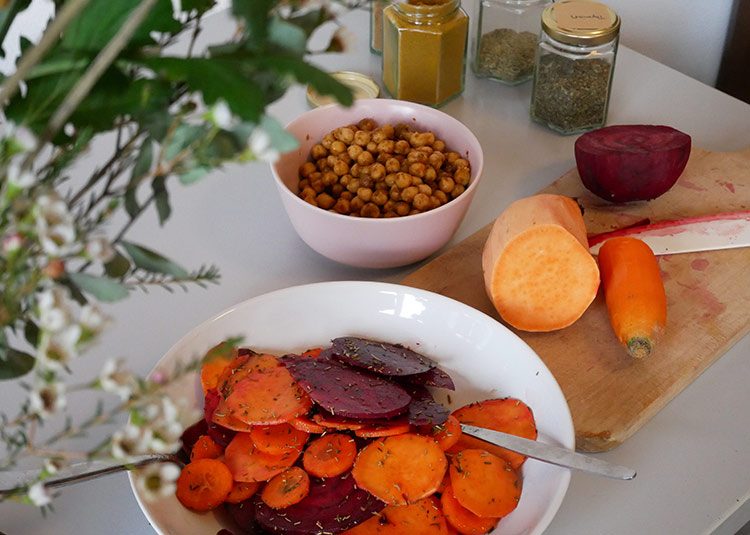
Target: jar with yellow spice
(424, 50)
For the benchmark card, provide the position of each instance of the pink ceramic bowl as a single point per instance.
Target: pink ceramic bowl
(375, 243)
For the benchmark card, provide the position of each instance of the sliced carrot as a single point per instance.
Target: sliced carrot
(204, 484)
(242, 491)
(313, 353)
(303, 423)
(508, 415)
(278, 439)
(330, 455)
(484, 483)
(445, 483)
(463, 520)
(268, 396)
(223, 418)
(287, 488)
(248, 464)
(205, 448)
(241, 366)
(216, 360)
(385, 429)
(446, 435)
(400, 470)
(423, 517)
(336, 422)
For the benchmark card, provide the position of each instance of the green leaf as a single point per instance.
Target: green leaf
(143, 162)
(256, 14)
(310, 20)
(117, 267)
(103, 288)
(153, 262)
(31, 332)
(183, 137)
(223, 350)
(287, 36)
(201, 6)
(304, 73)
(14, 363)
(216, 78)
(281, 140)
(161, 198)
(194, 175)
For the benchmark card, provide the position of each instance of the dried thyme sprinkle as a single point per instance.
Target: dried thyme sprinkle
(570, 95)
(506, 54)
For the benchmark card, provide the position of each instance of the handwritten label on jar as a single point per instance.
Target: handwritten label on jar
(575, 16)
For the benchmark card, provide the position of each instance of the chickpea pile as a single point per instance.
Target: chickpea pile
(366, 170)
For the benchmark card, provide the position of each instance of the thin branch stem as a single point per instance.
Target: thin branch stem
(67, 13)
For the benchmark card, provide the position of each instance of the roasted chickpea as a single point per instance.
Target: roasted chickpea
(390, 179)
(366, 181)
(306, 169)
(356, 205)
(416, 156)
(388, 130)
(390, 214)
(344, 134)
(377, 171)
(395, 193)
(370, 210)
(379, 197)
(458, 190)
(387, 146)
(436, 159)
(372, 147)
(353, 186)
(435, 201)
(327, 141)
(325, 201)
(353, 151)
(329, 178)
(426, 149)
(362, 138)
(461, 162)
(416, 181)
(317, 185)
(420, 139)
(355, 170)
(403, 180)
(318, 151)
(441, 196)
(322, 164)
(342, 206)
(430, 175)
(389, 206)
(336, 190)
(345, 180)
(408, 194)
(422, 202)
(365, 158)
(418, 169)
(439, 145)
(381, 186)
(451, 157)
(402, 208)
(346, 195)
(392, 165)
(310, 199)
(364, 193)
(308, 191)
(462, 176)
(304, 183)
(367, 123)
(424, 188)
(337, 147)
(401, 147)
(402, 131)
(446, 184)
(340, 168)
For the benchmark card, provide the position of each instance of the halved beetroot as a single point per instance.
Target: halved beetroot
(433, 377)
(379, 357)
(344, 391)
(631, 162)
(333, 505)
(423, 409)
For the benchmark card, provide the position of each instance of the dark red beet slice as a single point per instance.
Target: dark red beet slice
(423, 409)
(631, 162)
(220, 434)
(379, 357)
(344, 391)
(191, 435)
(243, 514)
(333, 505)
(433, 377)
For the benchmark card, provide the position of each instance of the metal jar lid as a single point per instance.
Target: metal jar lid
(580, 23)
(362, 86)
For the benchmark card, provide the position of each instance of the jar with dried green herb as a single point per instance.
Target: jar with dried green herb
(504, 39)
(574, 64)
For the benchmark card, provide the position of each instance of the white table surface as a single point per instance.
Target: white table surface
(693, 458)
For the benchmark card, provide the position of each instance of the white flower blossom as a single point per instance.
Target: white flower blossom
(69, 129)
(130, 441)
(221, 115)
(115, 379)
(46, 399)
(22, 136)
(55, 308)
(19, 177)
(100, 250)
(39, 495)
(261, 147)
(157, 480)
(165, 426)
(92, 319)
(55, 226)
(56, 350)
(53, 465)
(12, 243)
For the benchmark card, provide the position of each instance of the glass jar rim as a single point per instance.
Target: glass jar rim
(595, 35)
(426, 10)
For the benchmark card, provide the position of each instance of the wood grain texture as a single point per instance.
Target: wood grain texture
(708, 304)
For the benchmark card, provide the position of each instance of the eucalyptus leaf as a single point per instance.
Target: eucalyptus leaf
(304, 73)
(281, 140)
(223, 350)
(118, 266)
(182, 138)
(161, 198)
(31, 332)
(288, 36)
(256, 14)
(201, 6)
(152, 261)
(14, 363)
(194, 174)
(104, 289)
(310, 20)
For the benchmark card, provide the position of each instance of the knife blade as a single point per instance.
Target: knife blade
(550, 454)
(727, 230)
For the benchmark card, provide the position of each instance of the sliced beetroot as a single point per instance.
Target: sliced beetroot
(333, 505)
(344, 391)
(423, 409)
(379, 357)
(631, 162)
(191, 435)
(432, 377)
(220, 434)
(210, 402)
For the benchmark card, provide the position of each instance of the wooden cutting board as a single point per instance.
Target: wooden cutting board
(708, 297)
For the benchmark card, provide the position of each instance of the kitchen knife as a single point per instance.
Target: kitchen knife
(550, 454)
(705, 233)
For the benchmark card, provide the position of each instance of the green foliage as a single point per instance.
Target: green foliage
(104, 289)
(153, 262)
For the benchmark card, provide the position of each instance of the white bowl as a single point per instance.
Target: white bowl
(485, 359)
(375, 243)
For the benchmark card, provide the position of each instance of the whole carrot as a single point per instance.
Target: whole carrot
(634, 291)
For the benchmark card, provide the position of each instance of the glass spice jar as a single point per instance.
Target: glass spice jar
(574, 64)
(376, 25)
(424, 50)
(504, 39)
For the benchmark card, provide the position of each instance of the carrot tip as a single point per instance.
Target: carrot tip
(639, 347)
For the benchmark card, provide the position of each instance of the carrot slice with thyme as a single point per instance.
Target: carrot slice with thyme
(214, 362)
(463, 520)
(247, 463)
(447, 434)
(420, 518)
(278, 439)
(484, 484)
(312, 353)
(400, 470)
(224, 419)
(242, 491)
(336, 422)
(303, 423)
(287, 488)
(241, 366)
(268, 396)
(385, 429)
(204, 484)
(508, 415)
(330, 455)
(205, 448)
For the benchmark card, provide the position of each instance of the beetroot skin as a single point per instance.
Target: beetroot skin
(631, 162)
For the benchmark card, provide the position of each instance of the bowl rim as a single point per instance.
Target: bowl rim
(476, 175)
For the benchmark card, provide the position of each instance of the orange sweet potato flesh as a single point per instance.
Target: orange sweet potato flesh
(248, 464)
(538, 271)
(461, 519)
(423, 517)
(484, 484)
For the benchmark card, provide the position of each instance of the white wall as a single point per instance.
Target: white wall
(687, 35)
